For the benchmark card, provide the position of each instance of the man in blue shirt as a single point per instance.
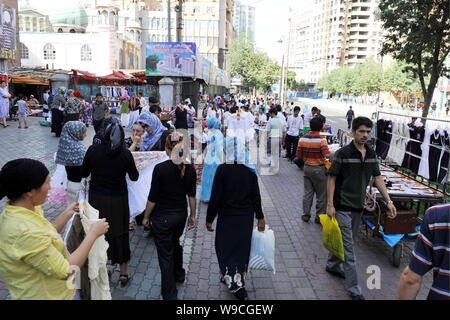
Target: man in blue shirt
(431, 251)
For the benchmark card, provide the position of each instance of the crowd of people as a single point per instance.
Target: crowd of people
(34, 261)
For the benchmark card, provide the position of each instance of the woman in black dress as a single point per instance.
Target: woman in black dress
(167, 205)
(108, 163)
(235, 199)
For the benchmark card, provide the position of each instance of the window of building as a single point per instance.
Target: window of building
(49, 52)
(210, 10)
(105, 17)
(21, 26)
(41, 25)
(196, 10)
(35, 26)
(24, 52)
(27, 24)
(86, 53)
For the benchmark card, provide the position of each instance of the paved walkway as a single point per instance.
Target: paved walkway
(300, 257)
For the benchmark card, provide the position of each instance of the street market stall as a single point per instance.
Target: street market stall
(414, 153)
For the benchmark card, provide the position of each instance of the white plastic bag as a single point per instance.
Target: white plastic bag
(58, 182)
(262, 251)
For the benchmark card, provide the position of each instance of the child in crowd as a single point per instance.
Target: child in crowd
(22, 112)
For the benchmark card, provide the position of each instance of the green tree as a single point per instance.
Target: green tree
(255, 69)
(418, 32)
(291, 82)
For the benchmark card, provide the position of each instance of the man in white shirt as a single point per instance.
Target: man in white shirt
(294, 125)
(144, 106)
(276, 130)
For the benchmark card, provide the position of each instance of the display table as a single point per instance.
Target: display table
(404, 192)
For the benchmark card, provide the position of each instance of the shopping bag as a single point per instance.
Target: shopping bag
(331, 236)
(58, 193)
(262, 251)
(124, 119)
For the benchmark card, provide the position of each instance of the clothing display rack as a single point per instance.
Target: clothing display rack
(445, 151)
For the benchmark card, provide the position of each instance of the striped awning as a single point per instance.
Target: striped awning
(29, 80)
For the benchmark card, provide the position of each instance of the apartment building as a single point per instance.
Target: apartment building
(331, 34)
(244, 21)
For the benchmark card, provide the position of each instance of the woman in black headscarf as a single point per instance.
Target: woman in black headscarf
(108, 163)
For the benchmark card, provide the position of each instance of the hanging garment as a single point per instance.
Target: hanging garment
(435, 154)
(379, 135)
(424, 169)
(416, 148)
(98, 273)
(395, 140)
(443, 170)
(138, 191)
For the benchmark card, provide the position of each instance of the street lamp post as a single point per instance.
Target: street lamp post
(169, 34)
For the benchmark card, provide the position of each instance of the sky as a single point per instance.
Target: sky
(272, 24)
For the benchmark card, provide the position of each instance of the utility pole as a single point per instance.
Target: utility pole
(283, 102)
(169, 27)
(282, 81)
(179, 11)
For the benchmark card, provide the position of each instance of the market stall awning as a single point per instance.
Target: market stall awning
(29, 80)
(84, 75)
(120, 76)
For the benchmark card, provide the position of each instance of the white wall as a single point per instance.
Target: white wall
(68, 51)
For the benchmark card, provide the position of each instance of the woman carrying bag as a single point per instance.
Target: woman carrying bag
(235, 199)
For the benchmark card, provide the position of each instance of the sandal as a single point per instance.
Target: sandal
(124, 279)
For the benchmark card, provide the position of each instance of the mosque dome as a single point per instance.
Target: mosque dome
(63, 12)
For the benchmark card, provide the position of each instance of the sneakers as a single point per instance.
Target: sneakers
(306, 218)
(241, 294)
(147, 232)
(357, 296)
(339, 273)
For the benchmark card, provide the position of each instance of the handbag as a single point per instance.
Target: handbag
(299, 162)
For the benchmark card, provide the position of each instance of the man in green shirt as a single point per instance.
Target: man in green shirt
(349, 175)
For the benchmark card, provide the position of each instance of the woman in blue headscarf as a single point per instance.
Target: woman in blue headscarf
(214, 157)
(235, 200)
(156, 133)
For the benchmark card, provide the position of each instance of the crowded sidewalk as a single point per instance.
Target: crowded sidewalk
(299, 254)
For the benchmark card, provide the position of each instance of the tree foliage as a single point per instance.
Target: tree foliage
(255, 69)
(369, 78)
(418, 32)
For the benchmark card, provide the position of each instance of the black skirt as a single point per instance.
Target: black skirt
(57, 121)
(117, 213)
(233, 242)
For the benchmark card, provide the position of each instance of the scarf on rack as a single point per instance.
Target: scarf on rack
(71, 149)
(157, 127)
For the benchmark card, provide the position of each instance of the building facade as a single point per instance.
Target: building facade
(331, 34)
(129, 25)
(244, 21)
